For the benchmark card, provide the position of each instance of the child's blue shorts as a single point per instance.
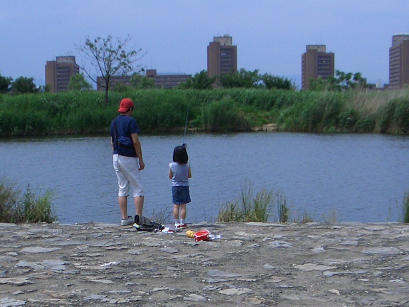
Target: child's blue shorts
(180, 195)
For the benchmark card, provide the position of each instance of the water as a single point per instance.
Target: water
(361, 177)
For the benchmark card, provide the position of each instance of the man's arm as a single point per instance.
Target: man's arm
(138, 149)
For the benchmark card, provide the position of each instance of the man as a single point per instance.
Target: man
(127, 160)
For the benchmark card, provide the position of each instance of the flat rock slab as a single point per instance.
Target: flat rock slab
(252, 264)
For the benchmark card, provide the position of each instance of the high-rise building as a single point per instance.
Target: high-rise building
(399, 61)
(221, 56)
(316, 63)
(59, 72)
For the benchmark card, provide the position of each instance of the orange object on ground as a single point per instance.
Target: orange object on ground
(190, 233)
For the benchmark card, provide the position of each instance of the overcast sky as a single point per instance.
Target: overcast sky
(270, 34)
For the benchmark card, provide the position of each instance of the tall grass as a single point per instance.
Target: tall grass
(29, 208)
(283, 210)
(255, 207)
(248, 207)
(406, 208)
(217, 110)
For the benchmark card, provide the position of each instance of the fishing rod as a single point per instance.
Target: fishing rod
(184, 133)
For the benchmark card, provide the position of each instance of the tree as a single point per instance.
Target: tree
(23, 85)
(270, 82)
(5, 84)
(140, 82)
(109, 58)
(341, 81)
(242, 78)
(319, 84)
(200, 81)
(78, 83)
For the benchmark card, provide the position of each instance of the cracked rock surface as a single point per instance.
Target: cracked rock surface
(253, 264)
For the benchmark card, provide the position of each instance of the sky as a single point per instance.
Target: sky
(270, 35)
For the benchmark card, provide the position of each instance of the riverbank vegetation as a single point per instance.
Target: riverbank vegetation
(214, 110)
(26, 208)
(406, 208)
(263, 206)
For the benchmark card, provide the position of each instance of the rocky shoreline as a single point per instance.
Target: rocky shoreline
(253, 264)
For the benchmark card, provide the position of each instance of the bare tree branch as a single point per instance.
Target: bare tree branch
(110, 58)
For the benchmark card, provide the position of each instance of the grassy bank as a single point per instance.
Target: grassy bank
(26, 208)
(217, 110)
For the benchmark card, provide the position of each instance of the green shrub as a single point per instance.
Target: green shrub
(29, 209)
(385, 116)
(248, 208)
(366, 124)
(406, 208)
(283, 210)
(8, 200)
(224, 116)
(347, 119)
(401, 115)
(213, 110)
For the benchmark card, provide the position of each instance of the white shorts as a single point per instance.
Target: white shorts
(127, 171)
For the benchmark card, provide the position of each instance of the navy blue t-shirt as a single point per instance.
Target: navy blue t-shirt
(125, 126)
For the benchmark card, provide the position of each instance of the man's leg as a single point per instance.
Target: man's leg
(138, 201)
(123, 206)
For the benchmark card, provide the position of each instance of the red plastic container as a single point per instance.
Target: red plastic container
(202, 235)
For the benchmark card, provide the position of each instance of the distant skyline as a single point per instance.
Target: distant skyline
(270, 35)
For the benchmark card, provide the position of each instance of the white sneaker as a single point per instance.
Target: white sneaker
(128, 221)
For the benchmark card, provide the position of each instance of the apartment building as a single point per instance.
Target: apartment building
(59, 72)
(160, 80)
(399, 61)
(221, 56)
(113, 82)
(316, 62)
(167, 80)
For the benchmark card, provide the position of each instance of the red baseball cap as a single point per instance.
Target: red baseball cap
(125, 105)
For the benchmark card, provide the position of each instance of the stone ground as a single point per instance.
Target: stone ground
(252, 264)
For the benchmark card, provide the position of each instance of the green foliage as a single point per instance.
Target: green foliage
(242, 78)
(283, 210)
(341, 81)
(8, 200)
(320, 84)
(330, 217)
(270, 82)
(78, 83)
(348, 119)
(248, 208)
(394, 116)
(109, 58)
(366, 123)
(213, 110)
(29, 209)
(200, 81)
(406, 208)
(318, 115)
(401, 115)
(5, 84)
(223, 116)
(141, 82)
(283, 213)
(23, 85)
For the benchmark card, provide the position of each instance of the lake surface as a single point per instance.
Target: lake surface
(360, 177)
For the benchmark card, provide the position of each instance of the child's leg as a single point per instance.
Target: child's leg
(182, 215)
(176, 212)
(182, 211)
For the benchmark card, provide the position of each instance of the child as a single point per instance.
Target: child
(179, 173)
